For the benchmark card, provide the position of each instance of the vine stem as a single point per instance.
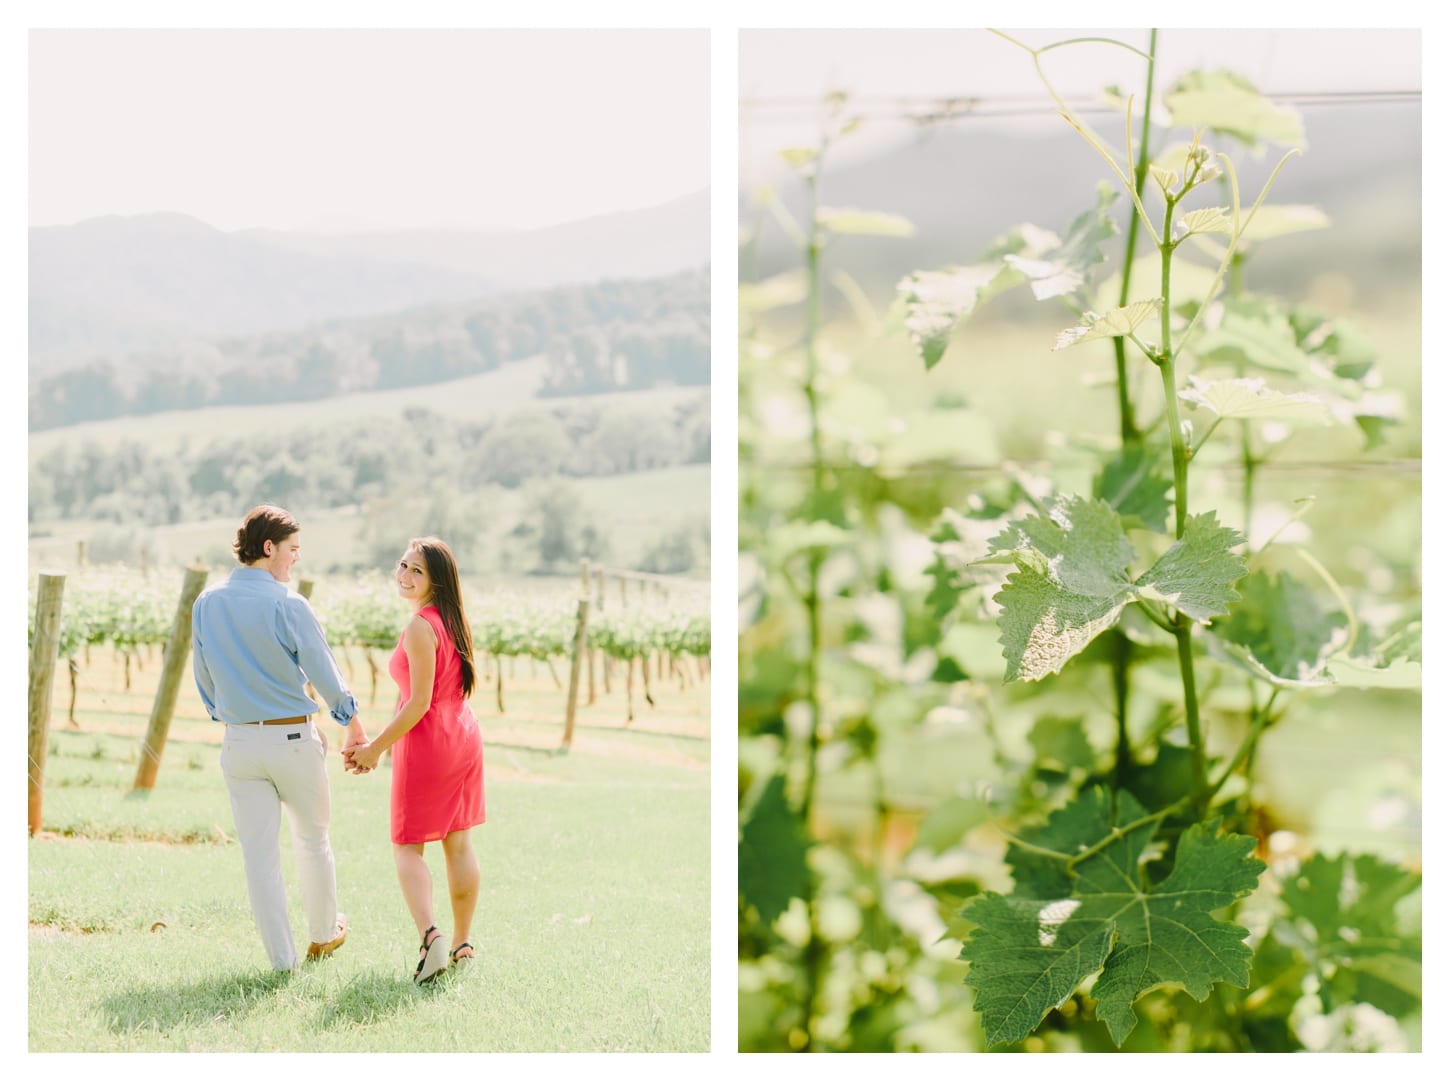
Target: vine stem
(1120, 832)
(1183, 632)
(1182, 626)
(1116, 834)
(1249, 745)
(814, 952)
(1128, 432)
(1127, 424)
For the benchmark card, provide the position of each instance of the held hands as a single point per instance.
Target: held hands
(355, 739)
(361, 757)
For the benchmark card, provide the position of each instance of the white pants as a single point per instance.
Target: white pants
(268, 767)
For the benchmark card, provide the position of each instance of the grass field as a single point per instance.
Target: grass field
(592, 927)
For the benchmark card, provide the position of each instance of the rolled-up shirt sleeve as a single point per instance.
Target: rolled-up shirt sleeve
(315, 658)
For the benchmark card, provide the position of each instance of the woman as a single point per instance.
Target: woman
(437, 751)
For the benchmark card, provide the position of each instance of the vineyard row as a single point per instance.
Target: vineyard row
(126, 610)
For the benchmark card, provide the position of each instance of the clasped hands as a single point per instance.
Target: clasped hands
(360, 756)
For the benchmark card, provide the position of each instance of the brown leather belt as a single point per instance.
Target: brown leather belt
(282, 720)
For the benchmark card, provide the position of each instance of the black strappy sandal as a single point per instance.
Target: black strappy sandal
(434, 959)
(461, 962)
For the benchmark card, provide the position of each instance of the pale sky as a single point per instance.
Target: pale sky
(877, 67)
(388, 128)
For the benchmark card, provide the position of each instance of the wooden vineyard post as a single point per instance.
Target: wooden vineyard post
(580, 640)
(173, 666)
(44, 647)
(590, 701)
(304, 590)
(606, 662)
(589, 650)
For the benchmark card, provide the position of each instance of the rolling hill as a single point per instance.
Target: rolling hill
(110, 287)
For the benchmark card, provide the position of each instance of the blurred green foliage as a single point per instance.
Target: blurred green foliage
(894, 777)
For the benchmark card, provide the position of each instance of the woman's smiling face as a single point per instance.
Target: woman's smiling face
(412, 574)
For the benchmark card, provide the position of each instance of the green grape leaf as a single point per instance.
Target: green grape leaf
(1361, 892)
(1039, 872)
(1234, 399)
(950, 821)
(1245, 659)
(1196, 575)
(1166, 935)
(1029, 954)
(772, 853)
(1280, 624)
(1271, 220)
(1253, 331)
(947, 670)
(1283, 219)
(946, 587)
(1135, 485)
(1026, 961)
(1208, 220)
(1161, 782)
(1225, 101)
(1338, 345)
(1398, 676)
(1071, 584)
(777, 291)
(1060, 743)
(938, 300)
(1063, 267)
(1401, 640)
(846, 220)
(1343, 910)
(945, 590)
(1373, 426)
(1113, 324)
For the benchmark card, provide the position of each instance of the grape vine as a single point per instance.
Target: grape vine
(1121, 634)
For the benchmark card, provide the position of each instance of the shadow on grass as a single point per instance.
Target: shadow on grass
(202, 1001)
(363, 1000)
(369, 999)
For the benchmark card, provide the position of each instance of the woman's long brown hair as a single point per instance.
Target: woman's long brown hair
(447, 597)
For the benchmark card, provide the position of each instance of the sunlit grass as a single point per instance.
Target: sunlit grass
(588, 939)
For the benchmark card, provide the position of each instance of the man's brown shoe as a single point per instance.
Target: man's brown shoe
(318, 950)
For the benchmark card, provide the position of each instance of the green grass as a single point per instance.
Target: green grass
(592, 926)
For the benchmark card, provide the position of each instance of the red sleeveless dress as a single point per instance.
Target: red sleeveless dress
(438, 764)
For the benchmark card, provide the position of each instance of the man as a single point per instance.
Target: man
(255, 647)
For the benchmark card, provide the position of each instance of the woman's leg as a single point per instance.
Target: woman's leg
(417, 884)
(463, 881)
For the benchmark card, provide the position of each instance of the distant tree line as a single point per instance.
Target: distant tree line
(604, 336)
(128, 481)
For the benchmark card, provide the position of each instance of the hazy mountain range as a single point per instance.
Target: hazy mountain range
(111, 286)
(964, 185)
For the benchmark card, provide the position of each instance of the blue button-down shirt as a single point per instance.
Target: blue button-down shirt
(255, 647)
